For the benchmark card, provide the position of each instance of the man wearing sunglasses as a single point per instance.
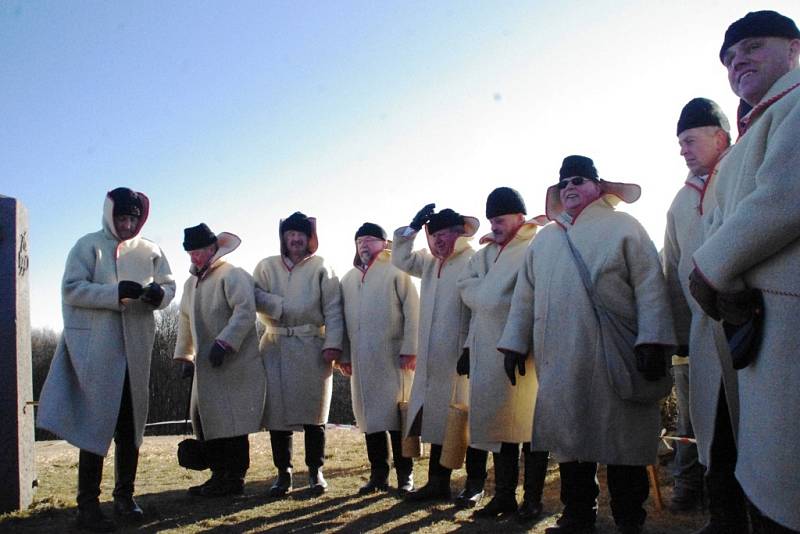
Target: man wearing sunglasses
(751, 253)
(581, 416)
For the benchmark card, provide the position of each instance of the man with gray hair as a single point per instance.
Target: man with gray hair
(746, 271)
(703, 136)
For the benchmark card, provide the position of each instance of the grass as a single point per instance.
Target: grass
(161, 491)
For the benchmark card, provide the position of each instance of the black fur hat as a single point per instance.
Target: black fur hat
(199, 236)
(758, 24)
(577, 166)
(296, 221)
(702, 112)
(126, 202)
(370, 229)
(503, 201)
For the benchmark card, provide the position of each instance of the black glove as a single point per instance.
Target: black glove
(422, 217)
(462, 366)
(187, 369)
(738, 308)
(704, 294)
(129, 290)
(153, 295)
(216, 354)
(512, 362)
(651, 361)
(682, 350)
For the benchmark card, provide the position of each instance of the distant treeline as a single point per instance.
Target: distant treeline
(169, 393)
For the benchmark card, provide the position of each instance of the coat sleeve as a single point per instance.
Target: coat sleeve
(470, 279)
(332, 311)
(653, 313)
(184, 345)
(77, 287)
(765, 221)
(671, 257)
(519, 324)
(409, 300)
(164, 278)
(239, 293)
(403, 257)
(267, 303)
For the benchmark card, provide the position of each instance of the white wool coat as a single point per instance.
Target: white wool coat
(709, 362)
(299, 381)
(228, 400)
(443, 327)
(381, 311)
(753, 240)
(499, 412)
(102, 337)
(579, 416)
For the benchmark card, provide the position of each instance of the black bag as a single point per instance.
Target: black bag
(192, 453)
(744, 340)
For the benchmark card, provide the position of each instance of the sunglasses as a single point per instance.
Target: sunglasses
(575, 180)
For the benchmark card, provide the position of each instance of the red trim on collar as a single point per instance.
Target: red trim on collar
(744, 123)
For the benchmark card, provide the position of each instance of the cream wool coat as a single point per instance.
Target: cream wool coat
(443, 327)
(578, 414)
(381, 311)
(299, 381)
(499, 412)
(709, 362)
(754, 240)
(102, 337)
(228, 400)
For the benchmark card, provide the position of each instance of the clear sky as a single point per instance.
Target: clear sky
(239, 113)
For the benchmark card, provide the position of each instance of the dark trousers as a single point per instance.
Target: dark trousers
(627, 486)
(126, 458)
(229, 455)
(726, 501)
(475, 464)
(378, 455)
(281, 441)
(763, 524)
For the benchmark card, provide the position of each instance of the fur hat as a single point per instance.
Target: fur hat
(577, 166)
(758, 24)
(503, 201)
(197, 237)
(700, 112)
(370, 229)
(126, 202)
(296, 221)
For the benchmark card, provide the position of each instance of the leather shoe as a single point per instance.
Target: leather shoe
(529, 511)
(570, 526)
(629, 529)
(434, 490)
(316, 482)
(92, 518)
(222, 487)
(497, 507)
(373, 486)
(471, 495)
(282, 484)
(128, 510)
(197, 491)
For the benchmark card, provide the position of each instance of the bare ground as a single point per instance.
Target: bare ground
(161, 491)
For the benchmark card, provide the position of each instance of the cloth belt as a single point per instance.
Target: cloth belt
(303, 330)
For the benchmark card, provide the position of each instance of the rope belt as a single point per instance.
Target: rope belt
(303, 330)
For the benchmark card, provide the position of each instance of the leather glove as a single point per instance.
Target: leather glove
(513, 361)
(216, 354)
(187, 369)
(704, 294)
(422, 217)
(129, 290)
(651, 361)
(462, 365)
(738, 308)
(153, 294)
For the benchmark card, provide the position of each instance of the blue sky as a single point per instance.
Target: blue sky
(239, 113)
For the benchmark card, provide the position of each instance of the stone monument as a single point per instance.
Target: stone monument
(17, 468)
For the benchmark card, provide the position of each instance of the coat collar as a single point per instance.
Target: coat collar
(611, 192)
(471, 225)
(108, 216)
(782, 87)
(313, 241)
(601, 204)
(227, 243)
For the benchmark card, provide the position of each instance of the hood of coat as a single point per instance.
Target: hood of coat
(385, 254)
(471, 225)
(227, 243)
(611, 192)
(313, 240)
(526, 231)
(108, 216)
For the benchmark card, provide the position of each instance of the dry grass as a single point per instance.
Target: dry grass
(161, 490)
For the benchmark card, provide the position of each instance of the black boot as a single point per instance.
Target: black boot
(535, 473)
(315, 457)
(378, 455)
(126, 461)
(197, 491)
(438, 486)
(403, 466)
(281, 443)
(506, 476)
(91, 518)
(316, 482)
(472, 493)
(579, 491)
